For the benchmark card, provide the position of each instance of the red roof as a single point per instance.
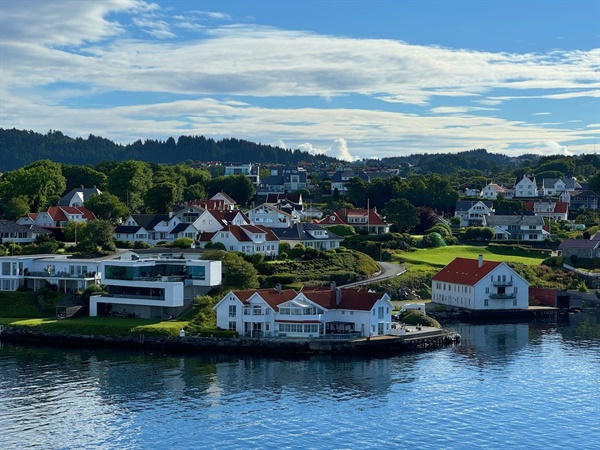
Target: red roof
(59, 213)
(341, 217)
(465, 271)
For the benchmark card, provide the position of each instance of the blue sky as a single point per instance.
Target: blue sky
(351, 79)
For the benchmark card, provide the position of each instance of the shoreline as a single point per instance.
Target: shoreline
(381, 345)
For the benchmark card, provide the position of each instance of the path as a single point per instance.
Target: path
(388, 270)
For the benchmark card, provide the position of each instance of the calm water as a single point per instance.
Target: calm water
(504, 387)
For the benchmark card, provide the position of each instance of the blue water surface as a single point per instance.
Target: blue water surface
(504, 387)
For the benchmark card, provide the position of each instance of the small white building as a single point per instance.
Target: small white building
(471, 212)
(522, 227)
(491, 191)
(476, 284)
(311, 313)
(154, 288)
(270, 216)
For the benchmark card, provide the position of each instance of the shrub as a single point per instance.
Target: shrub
(125, 244)
(433, 240)
(415, 317)
(182, 243)
(298, 251)
(342, 230)
(283, 255)
(140, 245)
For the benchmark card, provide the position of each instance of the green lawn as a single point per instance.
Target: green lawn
(104, 326)
(439, 257)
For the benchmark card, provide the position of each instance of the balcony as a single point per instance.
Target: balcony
(501, 283)
(506, 296)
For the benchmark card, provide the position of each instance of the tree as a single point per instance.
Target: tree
(15, 207)
(161, 197)
(97, 233)
(77, 176)
(433, 240)
(427, 219)
(107, 206)
(130, 181)
(238, 187)
(240, 273)
(356, 192)
(401, 213)
(194, 192)
(594, 182)
(73, 230)
(37, 182)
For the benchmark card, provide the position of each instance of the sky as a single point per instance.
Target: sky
(350, 79)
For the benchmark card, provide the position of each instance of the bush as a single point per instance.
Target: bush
(342, 277)
(479, 234)
(125, 244)
(342, 230)
(283, 256)
(415, 317)
(182, 243)
(433, 240)
(298, 251)
(141, 245)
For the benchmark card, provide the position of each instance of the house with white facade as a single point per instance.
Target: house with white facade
(521, 227)
(149, 228)
(37, 271)
(476, 284)
(78, 196)
(310, 235)
(552, 187)
(471, 212)
(548, 209)
(153, 288)
(252, 171)
(525, 188)
(341, 178)
(361, 219)
(270, 216)
(248, 239)
(282, 180)
(491, 191)
(57, 216)
(580, 198)
(19, 234)
(311, 313)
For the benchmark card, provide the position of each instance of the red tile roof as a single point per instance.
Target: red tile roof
(465, 271)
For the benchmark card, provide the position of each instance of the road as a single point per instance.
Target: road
(388, 270)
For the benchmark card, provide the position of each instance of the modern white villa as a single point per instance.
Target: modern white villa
(37, 271)
(310, 313)
(153, 287)
(476, 284)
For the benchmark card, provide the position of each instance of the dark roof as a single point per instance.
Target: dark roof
(123, 229)
(7, 226)
(578, 243)
(86, 193)
(299, 232)
(519, 220)
(149, 221)
(179, 228)
(341, 174)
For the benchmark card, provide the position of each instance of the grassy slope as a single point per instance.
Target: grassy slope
(18, 304)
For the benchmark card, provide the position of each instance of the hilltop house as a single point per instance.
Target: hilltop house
(283, 180)
(57, 216)
(311, 313)
(252, 171)
(491, 191)
(340, 179)
(580, 248)
(471, 212)
(361, 219)
(270, 216)
(548, 209)
(248, 239)
(78, 196)
(516, 227)
(476, 284)
(310, 235)
(580, 198)
(552, 187)
(525, 188)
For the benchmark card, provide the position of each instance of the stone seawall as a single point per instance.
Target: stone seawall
(385, 345)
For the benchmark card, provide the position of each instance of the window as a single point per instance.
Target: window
(232, 325)
(232, 310)
(486, 302)
(487, 290)
(514, 302)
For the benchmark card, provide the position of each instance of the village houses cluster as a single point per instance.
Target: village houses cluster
(162, 282)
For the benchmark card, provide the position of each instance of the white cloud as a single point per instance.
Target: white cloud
(279, 144)
(339, 150)
(556, 148)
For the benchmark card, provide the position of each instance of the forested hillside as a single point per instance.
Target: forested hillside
(19, 148)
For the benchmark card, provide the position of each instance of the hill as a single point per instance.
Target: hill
(19, 148)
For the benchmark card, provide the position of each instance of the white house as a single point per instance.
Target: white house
(270, 216)
(249, 170)
(37, 271)
(78, 196)
(310, 235)
(556, 186)
(153, 288)
(248, 239)
(525, 187)
(548, 209)
(57, 216)
(19, 234)
(491, 191)
(471, 212)
(311, 313)
(479, 285)
(523, 227)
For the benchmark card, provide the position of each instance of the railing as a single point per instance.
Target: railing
(585, 273)
(502, 283)
(503, 296)
(60, 275)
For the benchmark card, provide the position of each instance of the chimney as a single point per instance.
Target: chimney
(338, 297)
(480, 262)
(278, 288)
(332, 285)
